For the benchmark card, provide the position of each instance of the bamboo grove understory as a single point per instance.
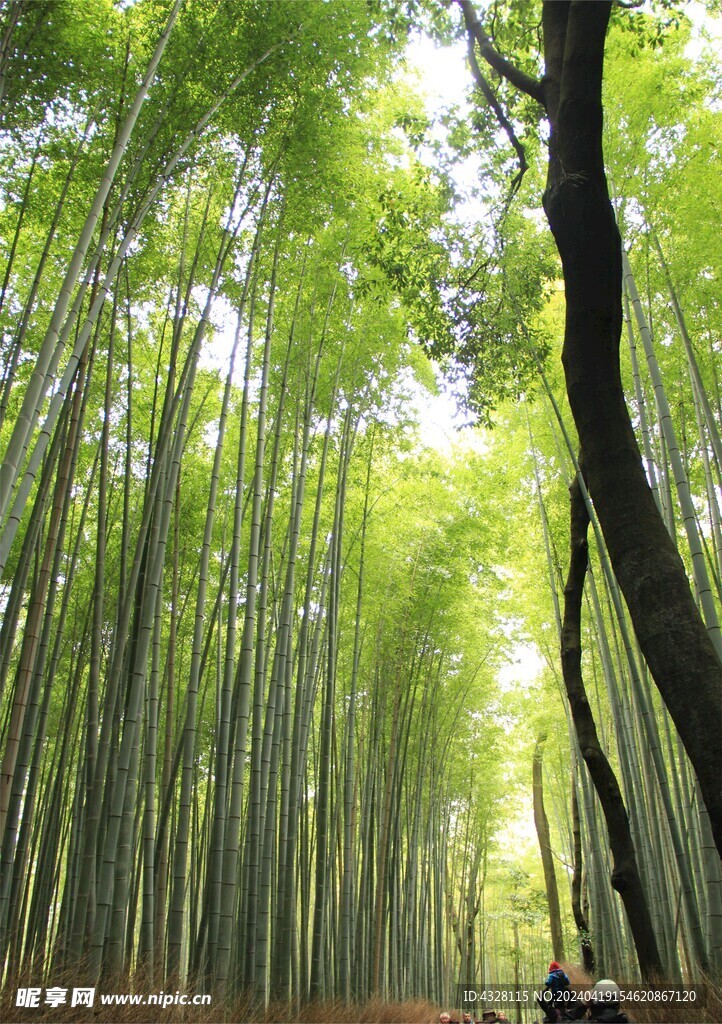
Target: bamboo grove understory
(256, 724)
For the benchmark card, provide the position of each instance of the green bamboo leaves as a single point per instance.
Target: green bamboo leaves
(236, 612)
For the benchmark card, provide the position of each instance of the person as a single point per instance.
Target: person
(554, 998)
(557, 981)
(604, 1003)
(467, 1017)
(444, 1018)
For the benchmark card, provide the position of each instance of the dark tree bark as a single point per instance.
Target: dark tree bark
(670, 630)
(625, 874)
(541, 823)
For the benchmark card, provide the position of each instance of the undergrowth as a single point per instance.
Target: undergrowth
(374, 1011)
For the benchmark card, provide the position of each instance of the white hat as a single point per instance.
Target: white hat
(606, 991)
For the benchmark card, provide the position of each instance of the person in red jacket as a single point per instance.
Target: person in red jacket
(556, 992)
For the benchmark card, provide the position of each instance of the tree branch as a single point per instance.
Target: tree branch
(501, 117)
(518, 78)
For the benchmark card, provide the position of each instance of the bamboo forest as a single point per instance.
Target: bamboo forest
(360, 510)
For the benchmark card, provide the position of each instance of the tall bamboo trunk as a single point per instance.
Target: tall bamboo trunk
(542, 827)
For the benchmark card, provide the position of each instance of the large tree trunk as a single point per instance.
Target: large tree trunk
(651, 574)
(625, 873)
(671, 633)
